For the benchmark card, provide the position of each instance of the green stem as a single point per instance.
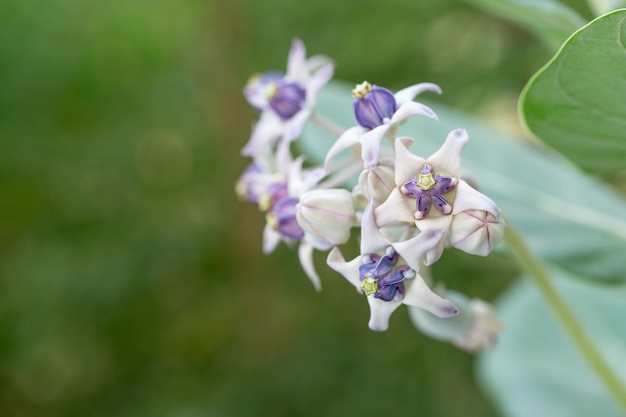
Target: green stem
(327, 124)
(539, 275)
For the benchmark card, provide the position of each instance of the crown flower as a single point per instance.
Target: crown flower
(431, 194)
(285, 101)
(379, 112)
(408, 209)
(387, 273)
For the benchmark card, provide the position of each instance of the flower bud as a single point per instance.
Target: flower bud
(377, 182)
(326, 216)
(476, 231)
(473, 329)
(373, 105)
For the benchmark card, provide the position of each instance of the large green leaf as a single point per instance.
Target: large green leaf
(550, 20)
(534, 370)
(566, 216)
(577, 102)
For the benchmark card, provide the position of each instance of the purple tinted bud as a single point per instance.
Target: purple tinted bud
(287, 99)
(373, 105)
(282, 217)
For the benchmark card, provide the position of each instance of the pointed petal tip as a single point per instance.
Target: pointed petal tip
(335, 256)
(448, 310)
(377, 326)
(459, 134)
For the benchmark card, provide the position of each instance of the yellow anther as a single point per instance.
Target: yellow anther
(271, 220)
(426, 182)
(270, 91)
(241, 189)
(264, 202)
(255, 78)
(369, 285)
(361, 90)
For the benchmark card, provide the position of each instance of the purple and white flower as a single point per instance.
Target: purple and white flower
(431, 194)
(379, 112)
(296, 210)
(286, 101)
(387, 273)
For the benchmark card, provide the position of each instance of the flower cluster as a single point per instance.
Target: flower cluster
(408, 208)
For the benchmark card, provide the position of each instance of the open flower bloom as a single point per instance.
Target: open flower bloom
(285, 101)
(430, 194)
(473, 329)
(379, 112)
(387, 273)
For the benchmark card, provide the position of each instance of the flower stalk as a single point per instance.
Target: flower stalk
(538, 273)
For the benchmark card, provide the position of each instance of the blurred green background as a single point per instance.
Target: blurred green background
(132, 281)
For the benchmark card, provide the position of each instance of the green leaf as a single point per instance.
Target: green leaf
(535, 370)
(577, 102)
(549, 20)
(564, 215)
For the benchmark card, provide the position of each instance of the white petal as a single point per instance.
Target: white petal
(350, 270)
(467, 198)
(408, 165)
(293, 127)
(317, 81)
(349, 138)
(264, 134)
(396, 209)
(370, 144)
(380, 312)
(435, 253)
(305, 253)
(412, 108)
(271, 239)
(315, 62)
(310, 179)
(295, 177)
(283, 158)
(419, 295)
(296, 61)
(435, 220)
(371, 238)
(414, 249)
(409, 93)
(447, 160)
(448, 329)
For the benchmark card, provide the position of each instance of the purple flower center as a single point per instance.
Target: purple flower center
(381, 277)
(427, 189)
(373, 105)
(286, 99)
(257, 85)
(282, 218)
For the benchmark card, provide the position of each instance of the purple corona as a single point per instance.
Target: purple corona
(382, 277)
(427, 189)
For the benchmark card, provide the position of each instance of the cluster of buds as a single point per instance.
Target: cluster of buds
(408, 208)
